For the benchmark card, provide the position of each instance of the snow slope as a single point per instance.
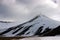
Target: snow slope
(35, 26)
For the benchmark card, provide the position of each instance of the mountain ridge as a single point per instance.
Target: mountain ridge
(36, 26)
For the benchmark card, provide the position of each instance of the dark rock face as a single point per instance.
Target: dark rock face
(38, 26)
(53, 32)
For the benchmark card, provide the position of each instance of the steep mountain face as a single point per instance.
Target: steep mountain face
(40, 26)
(53, 32)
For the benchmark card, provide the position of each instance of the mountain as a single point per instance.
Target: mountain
(38, 26)
(53, 32)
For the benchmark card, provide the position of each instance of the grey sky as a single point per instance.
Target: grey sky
(30, 8)
(24, 10)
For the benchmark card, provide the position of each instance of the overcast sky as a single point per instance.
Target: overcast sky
(24, 10)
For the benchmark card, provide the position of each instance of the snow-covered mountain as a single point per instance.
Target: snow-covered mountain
(39, 26)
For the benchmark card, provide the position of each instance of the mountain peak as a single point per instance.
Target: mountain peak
(37, 26)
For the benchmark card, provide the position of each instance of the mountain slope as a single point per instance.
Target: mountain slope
(37, 26)
(53, 32)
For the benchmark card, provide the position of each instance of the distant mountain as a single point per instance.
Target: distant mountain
(38, 26)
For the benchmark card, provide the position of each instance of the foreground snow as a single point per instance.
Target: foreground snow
(42, 38)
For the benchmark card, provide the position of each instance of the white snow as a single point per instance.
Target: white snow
(42, 38)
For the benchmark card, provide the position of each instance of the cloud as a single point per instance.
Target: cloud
(27, 9)
(24, 10)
